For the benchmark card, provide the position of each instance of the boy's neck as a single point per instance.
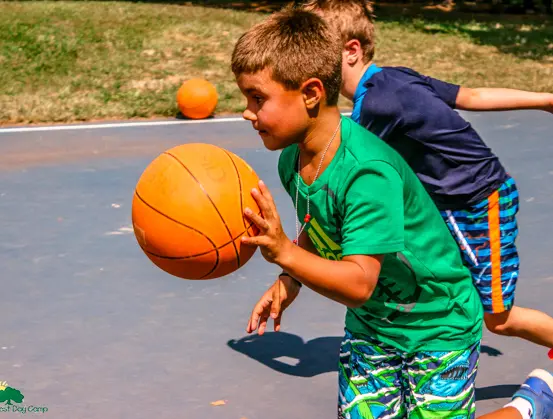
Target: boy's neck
(319, 135)
(354, 78)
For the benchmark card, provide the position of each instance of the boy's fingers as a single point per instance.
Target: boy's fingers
(252, 241)
(259, 221)
(263, 324)
(277, 323)
(263, 203)
(252, 324)
(265, 191)
(257, 312)
(268, 196)
(275, 305)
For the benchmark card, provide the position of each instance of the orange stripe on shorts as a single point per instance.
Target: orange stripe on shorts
(495, 249)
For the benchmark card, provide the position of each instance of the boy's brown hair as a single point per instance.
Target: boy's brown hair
(295, 45)
(353, 19)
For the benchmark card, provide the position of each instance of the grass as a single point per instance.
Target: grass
(76, 61)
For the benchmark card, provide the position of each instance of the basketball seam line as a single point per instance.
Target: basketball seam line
(177, 257)
(193, 256)
(241, 206)
(246, 227)
(210, 200)
(184, 225)
(240, 185)
(192, 228)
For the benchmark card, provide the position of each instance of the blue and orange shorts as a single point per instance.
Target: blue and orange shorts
(486, 234)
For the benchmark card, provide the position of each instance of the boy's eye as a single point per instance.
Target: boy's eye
(258, 99)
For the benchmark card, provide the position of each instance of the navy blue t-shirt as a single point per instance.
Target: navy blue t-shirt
(415, 115)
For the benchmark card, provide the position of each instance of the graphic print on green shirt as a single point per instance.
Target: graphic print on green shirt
(369, 202)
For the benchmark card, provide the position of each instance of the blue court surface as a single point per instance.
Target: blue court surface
(90, 328)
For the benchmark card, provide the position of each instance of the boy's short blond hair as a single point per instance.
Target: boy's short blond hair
(295, 45)
(353, 19)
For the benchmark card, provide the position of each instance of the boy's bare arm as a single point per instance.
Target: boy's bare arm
(350, 281)
(278, 297)
(305, 243)
(497, 99)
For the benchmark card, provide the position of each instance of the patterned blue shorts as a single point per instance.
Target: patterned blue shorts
(486, 234)
(378, 381)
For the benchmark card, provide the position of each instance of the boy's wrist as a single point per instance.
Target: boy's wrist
(286, 274)
(549, 107)
(284, 257)
(544, 102)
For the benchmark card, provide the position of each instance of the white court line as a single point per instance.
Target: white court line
(117, 125)
(122, 125)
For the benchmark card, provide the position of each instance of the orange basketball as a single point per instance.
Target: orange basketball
(197, 98)
(188, 211)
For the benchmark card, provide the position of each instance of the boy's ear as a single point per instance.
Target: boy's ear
(353, 53)
(313, 92)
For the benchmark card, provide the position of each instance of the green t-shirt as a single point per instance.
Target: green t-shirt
(369, 202)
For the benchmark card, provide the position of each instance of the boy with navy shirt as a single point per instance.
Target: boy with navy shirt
(476, 197)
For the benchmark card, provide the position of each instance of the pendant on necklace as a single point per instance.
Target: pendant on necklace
(307, 217)
(306, 220)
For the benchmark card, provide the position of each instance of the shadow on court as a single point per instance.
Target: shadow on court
(289, 354)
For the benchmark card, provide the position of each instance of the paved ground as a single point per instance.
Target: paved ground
(91, 329)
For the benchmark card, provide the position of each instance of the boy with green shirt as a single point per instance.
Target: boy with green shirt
(370, 237)
(368, 202)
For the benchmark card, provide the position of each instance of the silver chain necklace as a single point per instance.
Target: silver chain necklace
(307, 217)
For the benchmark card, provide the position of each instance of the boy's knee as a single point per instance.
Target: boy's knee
(498, 323)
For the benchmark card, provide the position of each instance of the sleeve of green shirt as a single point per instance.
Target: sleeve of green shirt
(373, 210)
(286, 167)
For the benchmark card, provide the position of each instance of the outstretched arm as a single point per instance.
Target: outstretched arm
(497, 99)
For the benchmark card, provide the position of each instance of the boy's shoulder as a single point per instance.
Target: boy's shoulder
(360, 150)
(288, 157)
(394, 78)
(394, 89)
(386, 90)
(364, 147)
(287, 163)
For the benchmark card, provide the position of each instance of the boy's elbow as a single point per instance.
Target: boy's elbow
(466, 98)
(363, 294)
(356, 303)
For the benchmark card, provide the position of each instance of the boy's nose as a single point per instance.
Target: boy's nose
(248, 115)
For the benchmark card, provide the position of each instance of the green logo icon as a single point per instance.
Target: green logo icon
(9, 395)
(10, 399)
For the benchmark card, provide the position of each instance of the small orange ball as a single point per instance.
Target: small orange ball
(197, 98)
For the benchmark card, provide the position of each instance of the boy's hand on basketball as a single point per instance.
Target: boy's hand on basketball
(271, 238)
(275, 300)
